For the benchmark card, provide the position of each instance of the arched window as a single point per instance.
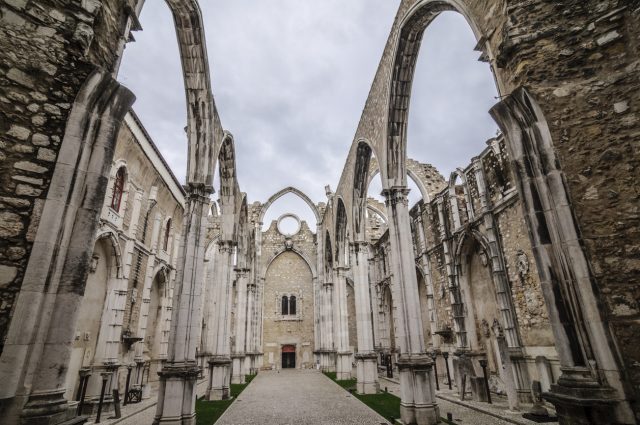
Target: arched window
(118, 188)
(292, 305)
(166, 235)
(285, 305)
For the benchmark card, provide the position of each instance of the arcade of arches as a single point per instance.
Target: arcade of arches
(523, 264)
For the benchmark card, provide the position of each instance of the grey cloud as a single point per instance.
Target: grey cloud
(290, 80)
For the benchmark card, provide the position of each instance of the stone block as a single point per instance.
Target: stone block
(30, 166)
(40, 140)
(26, 190)
(7, 274)
(10, 224)
(19, 132)
(45, 154)
(21, 78)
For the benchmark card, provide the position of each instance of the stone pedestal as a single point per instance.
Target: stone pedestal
(247, 365)
(238, 369)
(417, 390)
(367, 373)
(343, 365)
(177, 394)
(327, 360)
(46, 408)
(581, 400)
(219, 378)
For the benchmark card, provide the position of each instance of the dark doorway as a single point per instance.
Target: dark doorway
(288, 356)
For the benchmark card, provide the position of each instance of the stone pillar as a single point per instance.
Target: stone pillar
(147, 288)
(327, 349)
(239, 349)
(366, 358)
(37, 349)
(249, 361)
(417, 380)
(220, 361)
(426, 270)
(257, 320)
(375, 303)
(177, 391)
(341, 325)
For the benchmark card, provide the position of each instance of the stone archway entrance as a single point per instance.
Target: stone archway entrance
(288, 356)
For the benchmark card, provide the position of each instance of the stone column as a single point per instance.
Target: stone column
(177, 391)
(147, 288)
(220, 361)
(327, 349)
(249, 357)
(373, 295)
(366, 358)
(37, 349)
(417, 380)
(426, 270)
(341, 325)
(257, 320)
(239, 349)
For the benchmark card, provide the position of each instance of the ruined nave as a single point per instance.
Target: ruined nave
(510, 282)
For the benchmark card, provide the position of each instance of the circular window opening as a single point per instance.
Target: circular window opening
(288, 224)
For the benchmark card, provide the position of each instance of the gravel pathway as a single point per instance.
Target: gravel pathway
(297, 397)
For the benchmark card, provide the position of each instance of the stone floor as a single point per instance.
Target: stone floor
(468, 412)
(297, 397)
(140, 413)
(308, 397)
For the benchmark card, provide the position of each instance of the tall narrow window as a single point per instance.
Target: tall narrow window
(166, 235)
(285, 306)
(118, 188)
(292, 305)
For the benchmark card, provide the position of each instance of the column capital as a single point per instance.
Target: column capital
(396, 195)
(199, 191)
(226, 246)
(242, 271)
(358, 246)
(341, 271)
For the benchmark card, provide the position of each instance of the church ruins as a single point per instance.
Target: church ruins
(521, 266)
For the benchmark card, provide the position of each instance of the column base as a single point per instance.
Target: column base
(367, 373)
(580, 400)
(248, 369)
(327, 360)
(417, 390)
(219, 378)
(238, 370)
(343, 365)
(177, 394)
(47, 408)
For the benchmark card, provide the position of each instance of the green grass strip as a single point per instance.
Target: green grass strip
(385, 404)
(208, 412)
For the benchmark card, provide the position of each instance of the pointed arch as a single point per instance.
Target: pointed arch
(227, 171)
(283, 192)
(294, 250)
(117, 252)
(341, 234)
(412, 29)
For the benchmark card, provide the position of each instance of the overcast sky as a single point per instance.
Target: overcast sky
(290, 80)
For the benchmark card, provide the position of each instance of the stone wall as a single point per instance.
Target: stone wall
(288, 275)
(286, 272)
(47, 53)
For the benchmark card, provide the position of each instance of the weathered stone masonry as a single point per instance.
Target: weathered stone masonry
(48, 57)
(567, 73)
